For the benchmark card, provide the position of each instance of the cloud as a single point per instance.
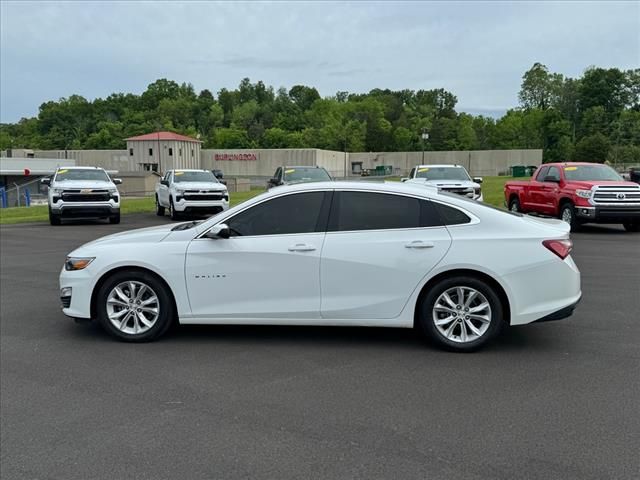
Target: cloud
(476, 50)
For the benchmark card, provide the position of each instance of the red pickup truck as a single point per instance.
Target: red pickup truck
(577, 193)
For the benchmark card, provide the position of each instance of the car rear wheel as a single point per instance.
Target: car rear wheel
(631, 227)
(159, 208)
(134, 306)
(461, 313)
(514, 205)
(54, 219)
(114, 219)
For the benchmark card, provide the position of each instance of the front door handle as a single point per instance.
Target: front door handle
(301, 247)
(419, 244)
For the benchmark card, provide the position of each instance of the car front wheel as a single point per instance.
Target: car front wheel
(172, 211)
(568, 214)
(159, 208)
(461, 313)
(134, 306)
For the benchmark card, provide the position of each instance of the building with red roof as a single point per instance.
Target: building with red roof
(162, 151)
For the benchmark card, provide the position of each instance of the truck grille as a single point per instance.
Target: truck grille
(85, 196)
(203, 195)
(616, 195)
(464, 191)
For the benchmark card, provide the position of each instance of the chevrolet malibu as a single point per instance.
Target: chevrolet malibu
(384, 255)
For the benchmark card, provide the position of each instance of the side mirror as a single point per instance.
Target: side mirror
(218, 174)
(552, 179)
(164, 182)
(404, 179)
(45, 181)
(274, 181)
(477, 179)
(218, 231)
(117, 181)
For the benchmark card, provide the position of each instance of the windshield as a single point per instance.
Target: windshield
(591, 172)
(68, 174)
(204, 176)
(310, 174)
(443, 173)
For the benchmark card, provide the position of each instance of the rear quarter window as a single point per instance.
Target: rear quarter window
(450, 215)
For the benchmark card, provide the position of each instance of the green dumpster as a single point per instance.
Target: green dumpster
(518, 171)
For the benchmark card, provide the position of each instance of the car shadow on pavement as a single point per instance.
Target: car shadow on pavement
(510, 339)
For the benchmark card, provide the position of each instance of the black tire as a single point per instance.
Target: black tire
(514, 205)
(166, 312)
(159, 208)
(631, 227)
(428, 326)
(568, 214)
(114, 219)
(172, 211)
(54, 219)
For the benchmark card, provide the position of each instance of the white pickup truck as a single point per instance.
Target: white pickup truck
(447, 178)
(82, 192)
(186, 191)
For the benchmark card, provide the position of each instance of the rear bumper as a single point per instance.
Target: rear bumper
(561, 314)
(608, 214)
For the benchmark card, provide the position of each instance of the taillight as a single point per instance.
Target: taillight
(562, 248)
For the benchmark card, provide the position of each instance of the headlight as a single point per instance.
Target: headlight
(113, 191)
(584, 193)
(56, 191)
(179, 191)
(77, 263)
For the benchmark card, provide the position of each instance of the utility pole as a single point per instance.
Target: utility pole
(424, 136)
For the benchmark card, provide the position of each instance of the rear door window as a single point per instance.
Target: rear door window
(356, 211)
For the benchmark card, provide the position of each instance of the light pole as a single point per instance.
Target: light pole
(424, 136)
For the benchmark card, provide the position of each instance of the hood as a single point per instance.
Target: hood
(75, 184)
(584, 184)
(445, 183)
(147, 235)
(200, 186)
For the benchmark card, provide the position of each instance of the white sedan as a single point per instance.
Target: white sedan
(346, 253)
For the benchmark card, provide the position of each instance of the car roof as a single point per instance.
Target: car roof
(303, 166)
(80, 168)
(439, 166)
(190, 170)
(570, 164)
(382, 187)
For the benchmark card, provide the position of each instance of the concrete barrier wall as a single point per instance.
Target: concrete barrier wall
(108, 159)
(262, 163)
(477, 162)
(241, 163)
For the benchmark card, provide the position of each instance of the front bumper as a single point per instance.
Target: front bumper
(85, 209)
(608, 214)
(197, 207)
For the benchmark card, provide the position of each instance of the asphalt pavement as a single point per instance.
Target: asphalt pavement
(558, 400)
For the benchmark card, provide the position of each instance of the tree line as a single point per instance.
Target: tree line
(595, 117)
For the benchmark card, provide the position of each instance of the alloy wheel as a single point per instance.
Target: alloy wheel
(567, 215)
(462, 314)
(133, 307)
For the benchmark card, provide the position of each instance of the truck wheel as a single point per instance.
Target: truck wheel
(114, 219)
(159, 208)
(632, 227)
(54, 219)
(568, 214)
(172, 211)
(514, 205)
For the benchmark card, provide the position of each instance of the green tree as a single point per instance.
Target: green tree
(593, 148)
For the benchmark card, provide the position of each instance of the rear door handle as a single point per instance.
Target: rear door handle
(301, 247)
(419, 244)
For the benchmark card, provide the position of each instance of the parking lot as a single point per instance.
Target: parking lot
(545, 401)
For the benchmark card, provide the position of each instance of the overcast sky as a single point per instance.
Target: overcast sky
(477, 50)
